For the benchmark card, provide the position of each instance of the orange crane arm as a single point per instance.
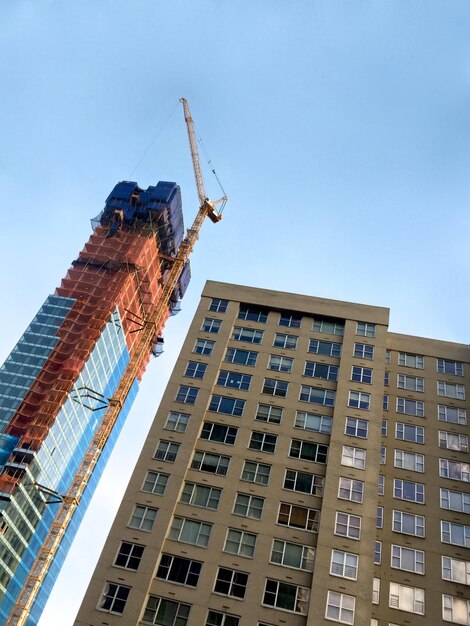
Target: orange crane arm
(38, 572)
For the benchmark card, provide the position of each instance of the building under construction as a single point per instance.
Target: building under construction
(56, 385)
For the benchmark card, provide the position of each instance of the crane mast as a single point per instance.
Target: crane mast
(155, 319)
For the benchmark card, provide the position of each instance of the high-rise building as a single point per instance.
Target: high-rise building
(306, 466)
(56, 383)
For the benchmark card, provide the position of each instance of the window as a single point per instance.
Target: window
(204, 346)
(248, 506)
(385, 402)
(381, 485)
(298, 517)
(450, 390)
(292, 555)
(357, 427)
(242, 357)
(455, 570)
(409, 460)
(280, 363)
(269, 413)
(410, 599)
(240, 542)
(451, 414)
(361, 374)
(411, 383)
(187, 395)
(455, 610)
(275, 387)
(328, 326)
(363, 351)
(388, 356)
(455, 501)
(195, 369)
(383, 455)
(286, 597)
(452, 441)
(308, 451)
(384, 429)
(316, 395)
(113, 598)
(190, 531)
(230, 582)
(411, 360)
(143, 518)
(219, 433)
(378, 553)
(327, 348)
(449, 367)
(216, 618)
(155, 482)
(457, 534)
(201, 495)
(340, 607)
(256, 472)
(177, 421)
(376, 591)
(455, 470)
(409, 432)
(165, 612)
(320, 370)
(253, 313)
(408, 559)
(129, 555)
(365, 330)
(410, 407)
(353, 457)
(408, 524)
(350, 489)
(359, 400)
(218, 306)
(210, 325)
(344, 564)
(230, 406)
(380, 517)
(347, 525)
(247, 334)
(235, 380)
(179, 570)
(304, 482)
(263, 442)
(288, 342)
(313, 422)
(407, 490)
(292, 320)
(166, 451)
(208, 462)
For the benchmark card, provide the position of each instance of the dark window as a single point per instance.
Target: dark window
(219, 432)
(129, 555)
(253, 313)
(179, 570)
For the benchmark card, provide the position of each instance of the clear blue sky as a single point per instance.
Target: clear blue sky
(339, 128)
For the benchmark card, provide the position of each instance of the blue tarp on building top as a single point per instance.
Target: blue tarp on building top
(159, 203)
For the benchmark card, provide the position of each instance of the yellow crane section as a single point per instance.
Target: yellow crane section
(155, 319)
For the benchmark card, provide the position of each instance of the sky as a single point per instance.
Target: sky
(340, 130)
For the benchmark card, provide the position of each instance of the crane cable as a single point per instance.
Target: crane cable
(209, 161)
(156, 136)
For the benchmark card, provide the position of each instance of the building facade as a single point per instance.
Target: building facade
(306, 466)
(56, 383)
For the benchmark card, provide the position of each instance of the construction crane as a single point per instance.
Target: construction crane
(155, 320)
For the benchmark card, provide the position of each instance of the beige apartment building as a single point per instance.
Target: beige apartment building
(306, 467)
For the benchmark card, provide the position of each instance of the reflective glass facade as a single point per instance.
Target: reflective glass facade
(27, 514)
